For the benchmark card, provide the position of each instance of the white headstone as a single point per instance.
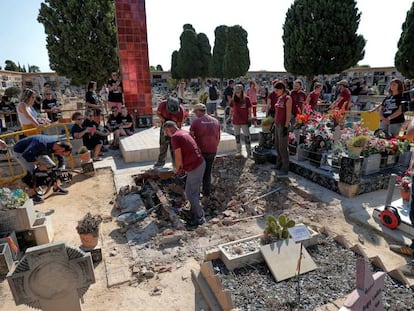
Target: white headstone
(52, 277)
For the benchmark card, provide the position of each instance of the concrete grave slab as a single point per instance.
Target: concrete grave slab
(282, 256)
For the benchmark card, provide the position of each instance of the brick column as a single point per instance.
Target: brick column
(133, 53)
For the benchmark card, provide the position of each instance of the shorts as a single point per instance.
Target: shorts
(211, 108)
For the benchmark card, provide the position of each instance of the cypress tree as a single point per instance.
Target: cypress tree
(219, 50)
(404, 58)
(320, 37)
(236, 58)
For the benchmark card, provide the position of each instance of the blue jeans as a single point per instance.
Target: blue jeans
(192, 191)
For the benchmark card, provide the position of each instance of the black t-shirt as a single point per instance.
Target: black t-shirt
(390, 105)
(227, 92)
(92, 98)
(115, 96)
(127, 119)
(48, 104)
(113, 120)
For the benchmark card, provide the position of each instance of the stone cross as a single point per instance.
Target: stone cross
(52, 277)
(368, 294)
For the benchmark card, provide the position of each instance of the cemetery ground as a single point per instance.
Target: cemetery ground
(154, 274)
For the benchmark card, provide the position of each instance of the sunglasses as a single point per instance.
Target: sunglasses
(79, 119)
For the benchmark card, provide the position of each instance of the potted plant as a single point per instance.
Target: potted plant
(277, 229)
(84, 154)
(88, 230)
(356, 145)
(405, 184)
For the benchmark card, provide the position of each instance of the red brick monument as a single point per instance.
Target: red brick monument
(133, 53)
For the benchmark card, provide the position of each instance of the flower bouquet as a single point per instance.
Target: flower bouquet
(319, 136)
(404, 182)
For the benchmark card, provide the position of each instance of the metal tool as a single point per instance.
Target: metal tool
(131, 218)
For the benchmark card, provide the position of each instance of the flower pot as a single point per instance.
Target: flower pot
(354, 152)
(405, 195)
(315, 157)
(89, 240)
(85, 157)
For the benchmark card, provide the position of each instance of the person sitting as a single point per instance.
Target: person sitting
(27, 114)
(27, 152)
(87, 133)
(9, 111)
(113, 124)
(125, 127)
(51, 107)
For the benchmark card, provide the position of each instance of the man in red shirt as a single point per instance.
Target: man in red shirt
(168, 110)
(342, 102)
(188, 159)
(206, 132)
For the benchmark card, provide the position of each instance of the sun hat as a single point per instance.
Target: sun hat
(343, 82)
(201, 107)
(238, 88)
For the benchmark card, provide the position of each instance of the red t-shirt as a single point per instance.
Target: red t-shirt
(346, 97)
(280, 109)
(241, 111)
(313, 101)
(190, 152)
(177, 117)
(206, 131)
(273, 100)
(298, 98)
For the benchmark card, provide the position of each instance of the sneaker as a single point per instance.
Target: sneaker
(60, 190)
(97, 159)
(238, 155)
(196, 223)
(37, 199)
(159, 164)
(282, 173)
(401, 249)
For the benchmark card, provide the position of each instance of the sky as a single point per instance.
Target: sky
(24, 40)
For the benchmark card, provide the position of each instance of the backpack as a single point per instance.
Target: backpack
(212, 93)
(173, 105)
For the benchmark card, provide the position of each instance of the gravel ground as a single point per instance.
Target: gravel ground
(253, 287)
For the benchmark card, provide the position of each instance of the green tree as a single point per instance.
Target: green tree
(404, 58)
(205, 55)
(219, 49)
(81, 38)
(152, 68)
(33, 68)
(236, 58)
(189, 54)
(174, 65)
(320, 37)
(159, 68)
(10, 65)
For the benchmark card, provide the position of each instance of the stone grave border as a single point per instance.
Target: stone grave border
(219, 298)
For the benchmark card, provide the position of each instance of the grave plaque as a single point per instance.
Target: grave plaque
(368, 293)
(52, 277)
